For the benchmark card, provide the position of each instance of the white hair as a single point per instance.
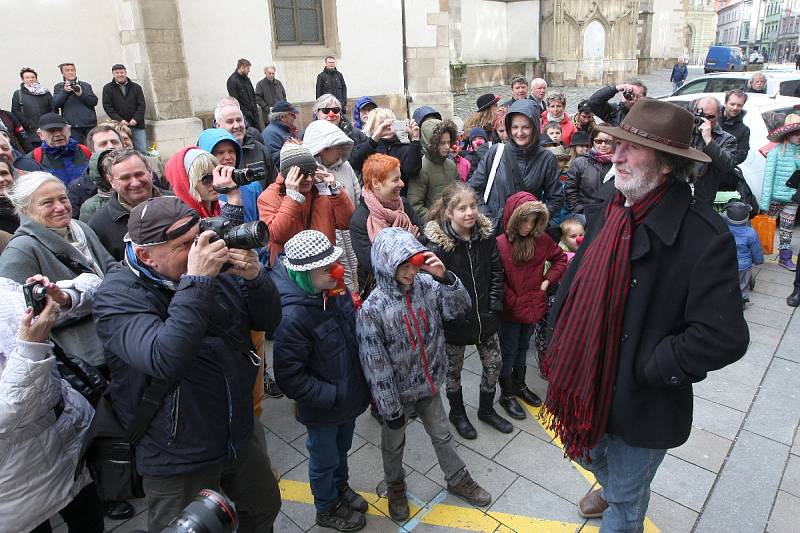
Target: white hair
(326, 100)
(225, 101)
(22, 192)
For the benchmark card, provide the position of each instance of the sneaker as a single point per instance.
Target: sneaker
(469, 490)
(270, 387)
(353, 499)
(341, 518)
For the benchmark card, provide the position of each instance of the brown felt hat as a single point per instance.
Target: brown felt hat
(660, 125)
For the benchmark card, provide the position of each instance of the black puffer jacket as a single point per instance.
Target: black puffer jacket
(612, 114)
(196, 337)
(316, 354)
(532, 169)
(410, 156)
(332, 82)
(28, 107)
(477, 264)
(584, 178)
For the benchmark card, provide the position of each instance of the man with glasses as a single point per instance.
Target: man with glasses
(612, 114)
(228, 116)
(711, 139)
(167, 314)
(131, 183)
(281, 127)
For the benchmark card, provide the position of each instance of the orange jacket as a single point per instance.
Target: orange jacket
(285, 217)
(567, 128)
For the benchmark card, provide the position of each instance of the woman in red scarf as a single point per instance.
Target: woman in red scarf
(381, 207)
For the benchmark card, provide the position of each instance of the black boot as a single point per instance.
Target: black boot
(458, 415)
(794, 299)
(521, 390)
(486, 413)
(508, 401)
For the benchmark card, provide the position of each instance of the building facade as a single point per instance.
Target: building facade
(729, 22)
(701, 29)
(182, 51)
(788, 31)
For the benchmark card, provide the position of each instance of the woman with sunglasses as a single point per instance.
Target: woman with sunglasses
(327, 107)
(586, 173)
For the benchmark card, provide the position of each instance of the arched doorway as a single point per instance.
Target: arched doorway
(594, 46)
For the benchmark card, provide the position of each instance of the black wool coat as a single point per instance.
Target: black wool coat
(683, 317)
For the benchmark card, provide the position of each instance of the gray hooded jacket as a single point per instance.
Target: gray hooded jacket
(400, 333)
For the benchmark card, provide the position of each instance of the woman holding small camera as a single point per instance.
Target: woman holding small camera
(49, 241)
(43, 421)
(304, 196)
(383, 129)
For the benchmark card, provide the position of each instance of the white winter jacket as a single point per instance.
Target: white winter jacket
(38, 450)
(321, 134)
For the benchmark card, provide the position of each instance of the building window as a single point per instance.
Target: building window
(298, 22)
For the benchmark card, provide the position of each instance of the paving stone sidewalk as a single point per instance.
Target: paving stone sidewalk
(739, 471)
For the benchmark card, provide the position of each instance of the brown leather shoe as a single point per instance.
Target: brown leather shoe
(592, 505)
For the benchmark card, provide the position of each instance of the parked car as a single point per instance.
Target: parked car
(724, 59)
(783, 82)
(762, 114)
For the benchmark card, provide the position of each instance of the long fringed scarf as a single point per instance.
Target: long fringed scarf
(581, 360)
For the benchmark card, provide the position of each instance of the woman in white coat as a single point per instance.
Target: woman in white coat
(43, 421)
(331, 148)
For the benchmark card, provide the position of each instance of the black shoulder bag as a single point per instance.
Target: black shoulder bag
(110, 450)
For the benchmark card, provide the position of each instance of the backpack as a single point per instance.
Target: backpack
(38, 153)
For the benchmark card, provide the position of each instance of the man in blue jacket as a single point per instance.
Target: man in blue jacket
(679, 74)
(167, 312)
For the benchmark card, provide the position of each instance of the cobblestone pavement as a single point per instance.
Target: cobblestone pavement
(657, 84)
(739, 471)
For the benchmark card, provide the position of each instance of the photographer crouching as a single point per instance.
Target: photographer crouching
(720, 146)
(166, 312)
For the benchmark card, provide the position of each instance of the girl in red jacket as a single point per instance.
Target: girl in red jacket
(524, 248)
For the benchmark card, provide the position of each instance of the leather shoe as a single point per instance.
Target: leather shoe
(119, 510)
(794, 299)
(592, 505)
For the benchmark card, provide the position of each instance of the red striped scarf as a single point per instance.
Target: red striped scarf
(581, 360)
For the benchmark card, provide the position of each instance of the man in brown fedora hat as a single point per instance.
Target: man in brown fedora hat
(650, 305)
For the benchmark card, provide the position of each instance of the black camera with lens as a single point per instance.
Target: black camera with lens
(628, 95)
(244, 176)
(35, 296)
(246, 236)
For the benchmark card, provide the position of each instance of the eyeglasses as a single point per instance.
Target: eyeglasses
(207, 180)
(334, 110)
(604, 141)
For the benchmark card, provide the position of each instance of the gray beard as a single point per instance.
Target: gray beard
(640, 184)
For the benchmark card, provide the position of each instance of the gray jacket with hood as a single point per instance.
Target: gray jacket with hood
(400, 333)
(532, 169)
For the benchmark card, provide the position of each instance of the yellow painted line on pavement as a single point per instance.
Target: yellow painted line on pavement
(649, 526)
(464, 518)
